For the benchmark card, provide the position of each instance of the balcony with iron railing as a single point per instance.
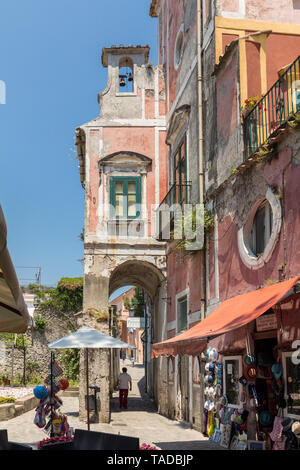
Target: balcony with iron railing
(278, 106)
(177, 196)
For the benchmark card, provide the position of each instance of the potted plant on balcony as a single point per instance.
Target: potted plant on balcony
(249, 104)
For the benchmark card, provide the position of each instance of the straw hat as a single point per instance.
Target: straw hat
(296, 428)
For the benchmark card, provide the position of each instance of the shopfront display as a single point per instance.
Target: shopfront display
(257, 404)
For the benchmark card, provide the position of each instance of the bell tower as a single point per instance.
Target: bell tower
(128, 76)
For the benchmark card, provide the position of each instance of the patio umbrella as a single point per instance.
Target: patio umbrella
(14, 316)
(89, 338)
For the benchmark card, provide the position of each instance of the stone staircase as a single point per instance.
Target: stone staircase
(20, 406)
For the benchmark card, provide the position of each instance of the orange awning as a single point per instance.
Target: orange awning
(230, 315)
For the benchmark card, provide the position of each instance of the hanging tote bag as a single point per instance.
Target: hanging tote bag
(226, 430)
(211, 424)
(277, 427)
(279, 445)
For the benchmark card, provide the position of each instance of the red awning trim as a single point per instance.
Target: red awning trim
(230, 315)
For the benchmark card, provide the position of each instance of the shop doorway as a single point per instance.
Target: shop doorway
(265, 353)
(183, 385)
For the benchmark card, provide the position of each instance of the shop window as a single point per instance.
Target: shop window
(261, 229)
(125, 197)
(178, 47)
(182, 314)
(291, 369)
(232, 372)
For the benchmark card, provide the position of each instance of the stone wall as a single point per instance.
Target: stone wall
(58, 325)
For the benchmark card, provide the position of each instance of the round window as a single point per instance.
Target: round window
(178, 47)
(259, 236)
(261, 230)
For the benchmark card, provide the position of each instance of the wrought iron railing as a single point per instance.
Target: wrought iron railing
(177, 196)
(278, 105)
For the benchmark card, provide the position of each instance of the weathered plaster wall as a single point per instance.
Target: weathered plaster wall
(233, 206)
(284, 11)
(229, 153)
(184, 272)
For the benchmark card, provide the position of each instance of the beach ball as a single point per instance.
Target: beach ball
(40, 392)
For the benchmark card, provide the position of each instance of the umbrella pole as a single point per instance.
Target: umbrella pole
(87, 389)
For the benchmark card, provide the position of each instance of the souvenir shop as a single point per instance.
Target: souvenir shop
(250, 351)
(252, 382)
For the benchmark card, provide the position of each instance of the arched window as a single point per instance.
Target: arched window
(126, 77)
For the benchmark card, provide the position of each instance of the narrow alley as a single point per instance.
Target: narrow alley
(140, 419)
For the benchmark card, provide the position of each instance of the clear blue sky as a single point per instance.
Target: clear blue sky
(50, 61)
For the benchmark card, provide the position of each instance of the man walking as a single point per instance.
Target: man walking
(124, 383)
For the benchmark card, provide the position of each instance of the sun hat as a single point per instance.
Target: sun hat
(213, 355)
(249, 360)
(207, 352)
(277, 370)
(296, 428)
(224, 400)
(209, 379)
(206, 404)
(265, 418)
(212, 406)
(286, 424)
(250, 372)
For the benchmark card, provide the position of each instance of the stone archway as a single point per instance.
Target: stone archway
(103, 275)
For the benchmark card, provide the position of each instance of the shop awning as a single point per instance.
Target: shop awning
(230, 315)
(14, 317)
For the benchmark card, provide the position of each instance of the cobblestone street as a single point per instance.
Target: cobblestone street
(140, 419)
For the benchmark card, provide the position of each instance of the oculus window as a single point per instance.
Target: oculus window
(261, 229)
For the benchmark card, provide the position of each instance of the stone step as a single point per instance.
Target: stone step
(19, 410)
(69, 393)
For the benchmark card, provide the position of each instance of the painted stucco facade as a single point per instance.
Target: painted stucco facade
(242, 46)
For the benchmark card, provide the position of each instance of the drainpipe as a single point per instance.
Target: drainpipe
(201, 182)
(200, 146)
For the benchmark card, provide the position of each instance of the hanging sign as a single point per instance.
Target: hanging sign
(135, 322)
(266, 322)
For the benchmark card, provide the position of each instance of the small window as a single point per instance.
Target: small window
(261, 229)
(178, 47)
(182, 314)
(125, 197)
(291, 368)
(232, 373)
(180, 173)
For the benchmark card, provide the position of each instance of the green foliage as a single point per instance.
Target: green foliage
(4, 400)
(137, 302)
(127, 303)
(40, 323)
(9, 338)
(69, 359)
(32, 377)
(66, 297)
(208, 223)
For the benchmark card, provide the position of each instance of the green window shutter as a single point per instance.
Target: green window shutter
(124, 200)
